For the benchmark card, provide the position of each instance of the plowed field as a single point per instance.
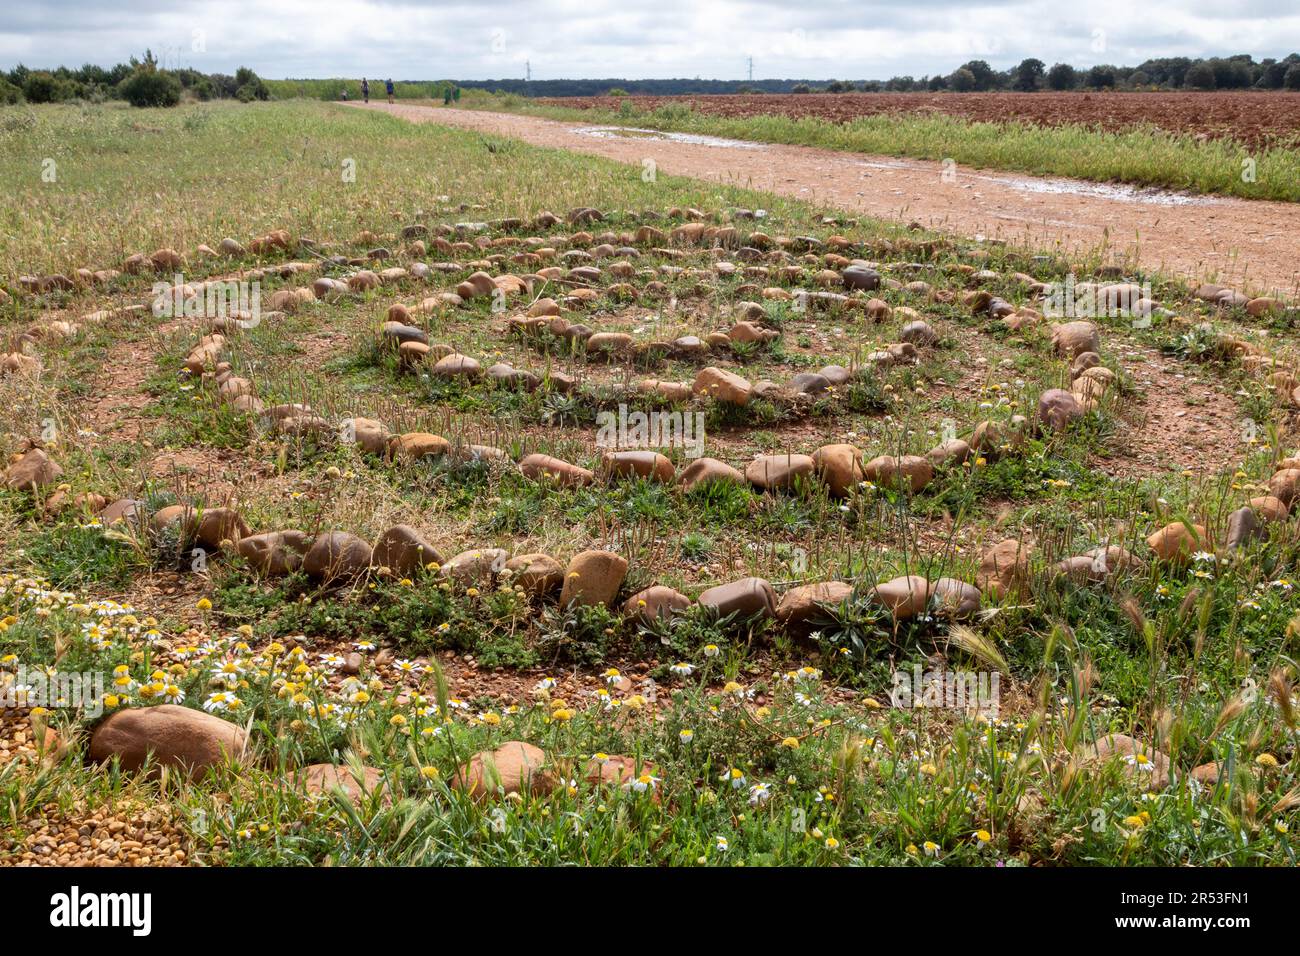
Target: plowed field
(1255, 119)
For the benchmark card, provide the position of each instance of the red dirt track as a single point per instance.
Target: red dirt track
(1253, 118)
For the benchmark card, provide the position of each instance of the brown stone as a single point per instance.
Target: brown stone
(840, 467)
(905, 596)
(176, 736)
(274, 553)
(772, 472)
(321, 779)
(33, 470)
(745, 598)
(907, 471)
(703, 470)
(514, 767)
(638, 464)
(1142, 763)
(801, 604)
(1004, 568)
(479, 566)
(955, 598)
(721, 385)
(536, 573)
(593, 577)
(657, 603)
(403, 550)
(1177, 541)
(337, 555)
(544, 467)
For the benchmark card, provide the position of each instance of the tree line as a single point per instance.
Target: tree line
(1238, 72)
(141, 82)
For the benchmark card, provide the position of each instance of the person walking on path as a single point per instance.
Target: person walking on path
(365, 89)
(388, 87)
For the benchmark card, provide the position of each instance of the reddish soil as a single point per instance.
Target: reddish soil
(1254, 118)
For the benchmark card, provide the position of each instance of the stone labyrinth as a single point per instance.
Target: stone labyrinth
(603, 431)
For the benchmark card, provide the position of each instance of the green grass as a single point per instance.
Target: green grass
(1141, 156)
(241, 170)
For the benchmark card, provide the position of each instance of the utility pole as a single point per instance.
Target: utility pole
(751, 69)
(528, 70)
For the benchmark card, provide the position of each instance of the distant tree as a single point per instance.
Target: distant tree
(1138, 79)
(1271, 75)
(455, 93)
(1232, 73)
(982, 73)
(1101, 78)
(1029, 75)
(1062, 76)
(617, 91)
(1292, 78)
(962, 80)
(938, 83)
(800, 88)
(1199, 76)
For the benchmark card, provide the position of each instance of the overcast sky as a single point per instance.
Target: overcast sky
(434, 39)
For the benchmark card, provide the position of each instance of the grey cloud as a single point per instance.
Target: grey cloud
(430, 39)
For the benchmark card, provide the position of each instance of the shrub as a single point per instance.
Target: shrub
(1292, 79)
(800, 88)
(42, 87)
(147, 87)
(249, 86)
(9, 94)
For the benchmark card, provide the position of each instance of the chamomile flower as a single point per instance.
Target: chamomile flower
(221, 701)
(682, 669)
(1140, 761)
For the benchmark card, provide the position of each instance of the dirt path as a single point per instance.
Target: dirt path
(1248, 244)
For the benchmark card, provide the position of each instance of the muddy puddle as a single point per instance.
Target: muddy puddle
(631, 132)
